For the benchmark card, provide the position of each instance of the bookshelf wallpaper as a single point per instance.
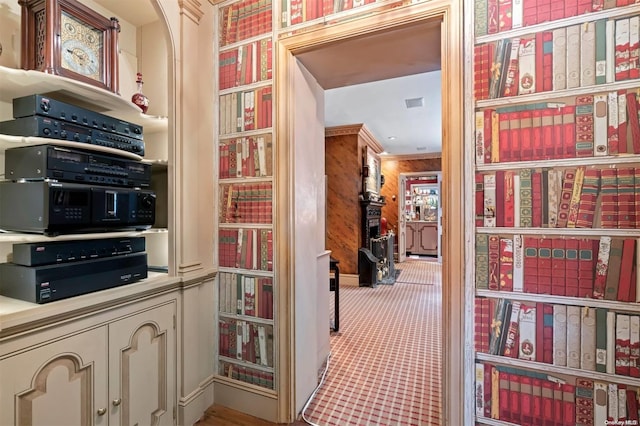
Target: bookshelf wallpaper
(557, 139)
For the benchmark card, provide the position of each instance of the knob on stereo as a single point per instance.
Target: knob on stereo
(44, 105)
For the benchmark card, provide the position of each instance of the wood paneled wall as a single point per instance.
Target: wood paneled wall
(391, 169)
(344, 149)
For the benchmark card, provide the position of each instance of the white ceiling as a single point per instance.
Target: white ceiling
(367, 79)
(381, 107)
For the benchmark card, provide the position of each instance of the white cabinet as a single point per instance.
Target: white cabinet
(117, 373)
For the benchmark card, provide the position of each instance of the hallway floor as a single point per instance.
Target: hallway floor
(385, 366)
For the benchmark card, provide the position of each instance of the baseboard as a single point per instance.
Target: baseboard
(350, 280)
(192, 408)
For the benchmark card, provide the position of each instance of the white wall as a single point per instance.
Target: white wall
(311, 274)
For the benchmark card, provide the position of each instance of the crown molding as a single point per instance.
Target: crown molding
(406, 157)
(355, 129)
(192, 9)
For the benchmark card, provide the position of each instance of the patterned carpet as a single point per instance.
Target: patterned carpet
(386, 358)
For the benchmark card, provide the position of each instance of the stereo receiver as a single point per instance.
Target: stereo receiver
(46, 127)
(49, 252)
(47, 283)
(74, 165)
(42, 105)
(52, 208)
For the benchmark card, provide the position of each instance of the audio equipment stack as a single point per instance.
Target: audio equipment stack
(53, 190)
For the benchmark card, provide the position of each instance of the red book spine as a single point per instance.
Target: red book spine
(539, 62)
(531, 267)
(539, 332)
(500, 198)
(558, 131)
(557, 10)
(571, 271)
(597, 5)
(626, 197)
(478, 71)
(547, 134)
(536, 136)
(505, 8)
(529, 12)
(558, 266)
(569, 131)
(514, 135)
(632, 406)
(503, 397)
(587, 255)
(568, 404)
(488, 137)
(547, 402)
(626, 269)
(526, 400)
(585, 6)
(547, 334)
(506, 264)
(492, 17)
(536, 402)
(609, 198)
(544, 11)
(565, 197)
(526, 137)
(588, 198)
(571, 8)
(504, 140)
(636, 182)
(509, 200)
(547, 61)
(544, 266)
(634, 123)
(514, 398)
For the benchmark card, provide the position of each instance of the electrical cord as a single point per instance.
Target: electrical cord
(306, 405)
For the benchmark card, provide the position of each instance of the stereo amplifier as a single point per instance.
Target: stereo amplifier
(74, 165)
(48, 283)
(46, 127)
(50, 252)
(43, 105)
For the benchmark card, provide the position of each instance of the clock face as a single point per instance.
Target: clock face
(81, 46)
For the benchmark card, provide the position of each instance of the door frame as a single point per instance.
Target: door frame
(457, 401)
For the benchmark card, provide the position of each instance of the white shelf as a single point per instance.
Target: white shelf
(247, 318)
(609, 161)
(493, 422)
(248, 179)
(245, 225)
(15, 83)
(246, 87)
(556, 369)
(246, 133)
(569, 232)
(556, 94)
(617, 12)
(9, 141)
(245, 364)
(561, 300)
(252, 272)
(17, 237)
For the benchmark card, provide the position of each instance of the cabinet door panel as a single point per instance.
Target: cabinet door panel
(429, 238)
(411, 238)
(57, 384)
(142, 364)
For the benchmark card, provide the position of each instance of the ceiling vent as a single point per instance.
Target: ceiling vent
(414, 103)
(421, 148)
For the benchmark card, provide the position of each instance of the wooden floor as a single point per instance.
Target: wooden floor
(218, 415)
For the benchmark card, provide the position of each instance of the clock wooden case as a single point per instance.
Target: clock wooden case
(67, 38)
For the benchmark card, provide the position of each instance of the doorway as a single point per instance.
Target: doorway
(449, 17)
(420, 216)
